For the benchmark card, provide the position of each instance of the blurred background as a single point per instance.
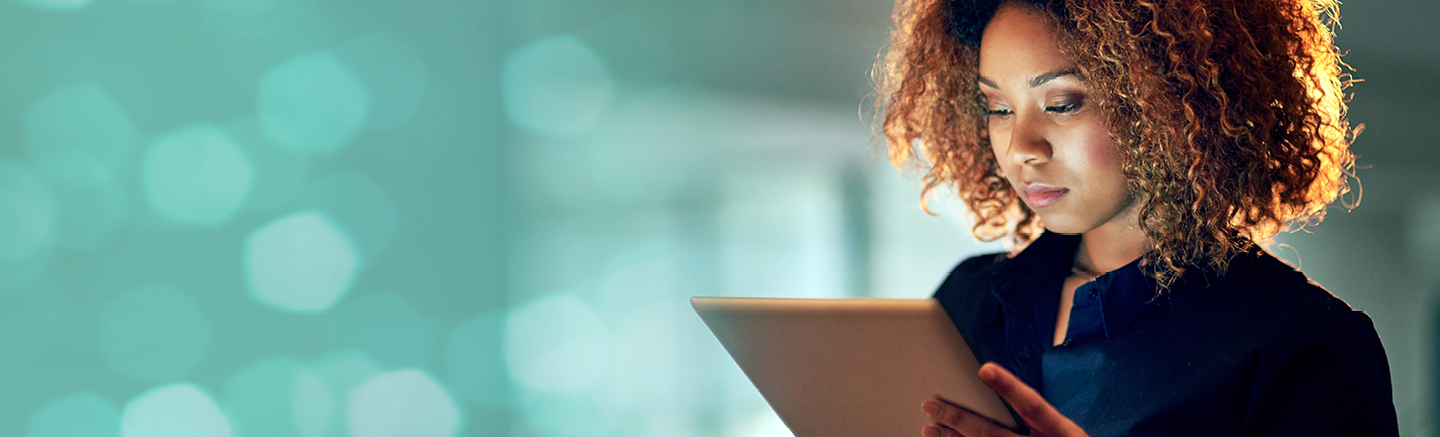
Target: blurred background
(484, 218)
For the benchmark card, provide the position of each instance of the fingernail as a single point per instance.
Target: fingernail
(930, 431)
(931, 407)
(988, 371)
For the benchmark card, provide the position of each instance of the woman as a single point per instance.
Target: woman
(1137, 151)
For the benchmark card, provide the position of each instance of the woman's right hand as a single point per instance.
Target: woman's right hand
(1042, 418)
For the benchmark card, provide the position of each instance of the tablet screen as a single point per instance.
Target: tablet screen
(851, 367)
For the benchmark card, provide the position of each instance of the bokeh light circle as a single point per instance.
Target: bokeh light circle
(402, 403)
(196, 175)
(175, 410)
(279, 397)
(312, 103)
(27, 213)
(76, 415)
(386, 327)
(556, 344)
(556, 86)
(338, 373)
(153, 333)
(299, 263)
(79, 135)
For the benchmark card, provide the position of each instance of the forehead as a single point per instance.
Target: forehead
(1018, 45)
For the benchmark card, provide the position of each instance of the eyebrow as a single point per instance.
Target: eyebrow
(1038, 80)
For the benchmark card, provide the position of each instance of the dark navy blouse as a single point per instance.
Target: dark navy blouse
(1259, 351)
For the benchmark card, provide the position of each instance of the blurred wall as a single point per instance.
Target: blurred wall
(1382, 256)
(484, 218)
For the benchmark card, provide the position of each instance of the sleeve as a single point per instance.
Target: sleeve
(1334, 381)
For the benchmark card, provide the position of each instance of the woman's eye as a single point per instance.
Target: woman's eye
(1000, 112)
(1066, 108)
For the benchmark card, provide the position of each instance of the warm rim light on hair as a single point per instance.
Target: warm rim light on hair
(1231, 114)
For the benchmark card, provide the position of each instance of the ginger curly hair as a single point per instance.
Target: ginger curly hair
(1230, 114)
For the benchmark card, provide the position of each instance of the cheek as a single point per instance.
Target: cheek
(999, 137)
(1007, 168)
(1097, 150)
(1101, 152)
(996, 139)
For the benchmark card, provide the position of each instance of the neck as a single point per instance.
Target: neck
(1110, 246)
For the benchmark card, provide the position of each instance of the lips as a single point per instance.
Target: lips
(1041, 195)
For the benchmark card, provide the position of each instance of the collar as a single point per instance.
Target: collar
(1124, 294)
(1120, 296)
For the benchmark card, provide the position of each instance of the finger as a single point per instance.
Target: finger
(1026, 401)
(961, 421)
(938, 431)
(1038, 414)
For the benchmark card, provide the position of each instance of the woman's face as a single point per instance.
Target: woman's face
(1049, 137)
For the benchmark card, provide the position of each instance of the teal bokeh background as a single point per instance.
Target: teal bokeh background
(250, 218)
(484, 218)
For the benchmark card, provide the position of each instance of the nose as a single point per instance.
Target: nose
(1028, 145)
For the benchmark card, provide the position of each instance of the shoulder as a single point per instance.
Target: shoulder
(972, 273)
(966, 293)
(985, 263)
(969, 299)
(1265, 309)
(1323, 369)
(1265, 304)
(1258, 281)
(1318, 365)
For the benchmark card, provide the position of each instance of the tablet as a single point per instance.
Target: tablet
(851, 367)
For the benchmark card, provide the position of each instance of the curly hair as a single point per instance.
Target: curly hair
(1230, 115)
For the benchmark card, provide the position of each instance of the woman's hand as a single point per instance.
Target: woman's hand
(1043, 419)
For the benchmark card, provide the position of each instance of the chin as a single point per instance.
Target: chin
(1061, 226)
(1064, 230)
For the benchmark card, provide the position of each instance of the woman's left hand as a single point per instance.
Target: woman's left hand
(1042, 418)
